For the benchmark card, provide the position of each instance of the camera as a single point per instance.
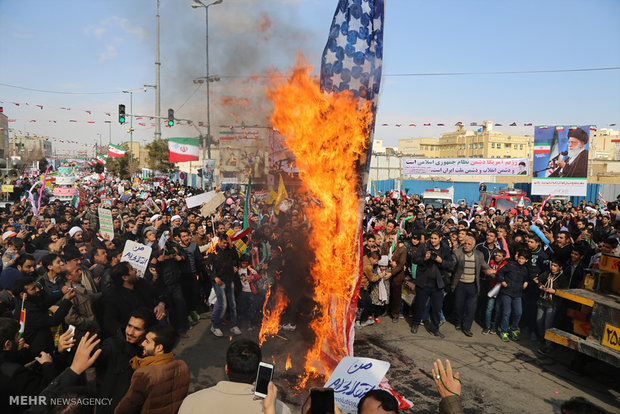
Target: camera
(433, 256)
(612, 205)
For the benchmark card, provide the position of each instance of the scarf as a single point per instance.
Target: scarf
(161, 359)
(549, 284)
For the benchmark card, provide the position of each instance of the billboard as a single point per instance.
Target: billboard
(466, 166)
(560, 164)
(243, 151)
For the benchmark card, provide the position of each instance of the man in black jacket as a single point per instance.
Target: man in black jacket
(130, 292)
(225, 263)
(37, 331)
(113, 369)
(15, 379)
(435, 263)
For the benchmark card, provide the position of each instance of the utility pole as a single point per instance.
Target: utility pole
(157, 85)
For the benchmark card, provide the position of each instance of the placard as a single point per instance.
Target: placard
(212, 205)
(7, 188)
(137, 255)
(354, 377)
(106, 226)
(197, 200)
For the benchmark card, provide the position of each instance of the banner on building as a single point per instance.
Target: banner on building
(208, 168)
(466, 166)
(561, 160)
(243, 152)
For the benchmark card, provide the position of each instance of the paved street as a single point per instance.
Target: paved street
(497, 377)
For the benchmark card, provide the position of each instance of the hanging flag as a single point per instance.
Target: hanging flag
(282, 194)
(183, 149)
(22, 321)
(102, 159)
(116, 151)
(352, 58)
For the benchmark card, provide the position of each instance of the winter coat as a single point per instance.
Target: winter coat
(514, 275)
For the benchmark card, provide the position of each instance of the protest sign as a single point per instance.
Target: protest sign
(197, 200)
(7, 188)
(137, 255)
(212, 204)
(354, 377)
(105, 222)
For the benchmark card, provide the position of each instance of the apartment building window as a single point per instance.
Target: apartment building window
(521, 146)
(481, 145)
(492, 144)
(506, 145)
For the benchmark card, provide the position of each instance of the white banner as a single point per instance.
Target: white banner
(352, 378)
(466, 166)
(137, 255)
(106, 226)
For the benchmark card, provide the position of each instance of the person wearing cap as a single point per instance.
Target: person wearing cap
(577, 163)
(76, 233)
(92, 215)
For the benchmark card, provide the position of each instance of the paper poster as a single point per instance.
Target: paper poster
(106, 226)
(137, 255)
(352, 378)
(197, 200)
(212, 205)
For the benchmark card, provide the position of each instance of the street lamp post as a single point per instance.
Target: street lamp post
(130, 125)
(195, 5)
(109, 130)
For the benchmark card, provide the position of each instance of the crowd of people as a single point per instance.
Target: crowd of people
(464, 263)
(86, 315)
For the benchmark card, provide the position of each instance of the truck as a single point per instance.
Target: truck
(505, 199)
(438, 197)
(595, 314)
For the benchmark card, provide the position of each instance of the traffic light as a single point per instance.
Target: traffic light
(121, 113)
(170, 117)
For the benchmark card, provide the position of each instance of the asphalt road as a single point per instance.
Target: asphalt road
(497, 377)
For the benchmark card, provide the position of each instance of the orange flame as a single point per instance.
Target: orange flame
(271, 317)
(328, 135)
(288, 364)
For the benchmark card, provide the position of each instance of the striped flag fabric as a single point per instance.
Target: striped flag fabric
(102, 159)
(116, 151)
(183, 149)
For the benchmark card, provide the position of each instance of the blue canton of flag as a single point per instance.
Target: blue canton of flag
(354, 50)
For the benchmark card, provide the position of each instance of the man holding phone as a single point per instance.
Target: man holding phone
(238, 395)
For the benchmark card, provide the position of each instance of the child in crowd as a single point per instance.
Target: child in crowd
(380, 290)
(497, 262)
(514, 279)
(248, 296)
(548, 282)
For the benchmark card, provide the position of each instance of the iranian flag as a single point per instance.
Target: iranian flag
(116, 151)
(102, 159)
(183, 149)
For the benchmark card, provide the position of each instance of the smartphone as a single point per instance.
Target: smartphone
(263, 376)
(70, 328)
(321, 401)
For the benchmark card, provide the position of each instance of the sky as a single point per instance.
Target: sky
(82, 55)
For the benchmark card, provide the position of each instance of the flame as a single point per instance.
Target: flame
(288, 364)
(328, 135)
(271, 317)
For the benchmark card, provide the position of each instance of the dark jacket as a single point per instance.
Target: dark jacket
(459, 260)
(17, 380)
(560, 282)
(119, 302)
(538, 263)
(431, 274)
(113, 369)
(223, 262)
(37, 333)
(514, 275)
